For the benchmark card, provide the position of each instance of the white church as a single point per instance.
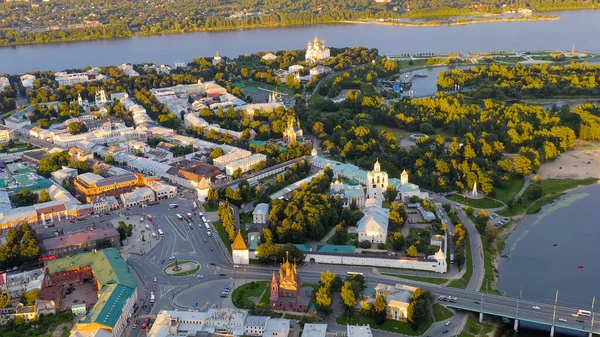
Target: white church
(316, 51)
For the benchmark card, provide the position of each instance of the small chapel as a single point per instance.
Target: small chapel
(288, 293)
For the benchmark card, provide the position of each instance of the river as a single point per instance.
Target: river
(574, 27)
(542, 268)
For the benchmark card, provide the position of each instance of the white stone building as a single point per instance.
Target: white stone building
(377, 182)
(137, 197)
(105, 204)
(239, 250)
(352, 192)
(162, 191)
(316, 51)
(245, 164)
(260, 213)
(235, 154)
(374, 224)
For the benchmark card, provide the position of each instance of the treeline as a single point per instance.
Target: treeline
(538, 80)
(10, 37)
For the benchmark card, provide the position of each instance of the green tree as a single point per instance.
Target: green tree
(417, 313)
(213, 196)
(348, 296)
(412, 251)
(76, 128)
(44, 196)
(395, 241)
(379, 309)
(4, 301)
(390, 194)
(216, 153)
(25, 197)
(29, 297)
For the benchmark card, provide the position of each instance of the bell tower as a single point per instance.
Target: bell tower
(274, 289)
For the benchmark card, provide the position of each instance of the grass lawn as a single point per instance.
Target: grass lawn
(388, 325)
(398, 133)
(223, 235)
(475, 203)
(552, 189)
(185, 273)
(473, 328)
(241, 295)
(265, 301)
(464, 280)
(207, 207)
(509, 192)
(490, 275)
(432, 280)
(440, 313)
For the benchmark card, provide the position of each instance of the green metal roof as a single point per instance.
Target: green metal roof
(342, 249)
(107, 264)
(109, 306)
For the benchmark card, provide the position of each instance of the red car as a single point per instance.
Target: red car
(154, 288)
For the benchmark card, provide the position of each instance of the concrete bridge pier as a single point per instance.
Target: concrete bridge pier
(552, 331)
(590, 334)
(480, 317)
(516, 326)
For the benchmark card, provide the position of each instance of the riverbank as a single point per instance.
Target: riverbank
(128, 34)
(459, 22)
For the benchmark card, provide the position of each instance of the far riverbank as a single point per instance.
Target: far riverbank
(455, 23)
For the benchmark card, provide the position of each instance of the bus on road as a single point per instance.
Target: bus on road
(195, 205)
(584, 313)
(160, 232)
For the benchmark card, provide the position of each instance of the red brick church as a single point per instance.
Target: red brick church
(288, 293)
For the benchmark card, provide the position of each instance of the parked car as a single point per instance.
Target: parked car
(536, 307)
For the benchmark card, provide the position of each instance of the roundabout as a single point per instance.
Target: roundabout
(182, 268)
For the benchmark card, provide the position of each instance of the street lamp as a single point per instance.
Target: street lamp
(520, 295)
(592, 323)
(554, 313)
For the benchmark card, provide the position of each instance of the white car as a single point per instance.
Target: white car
(172, 257)
(448, 323)
(154, 278)
(562, 319)
(200, 276)
(536, 307)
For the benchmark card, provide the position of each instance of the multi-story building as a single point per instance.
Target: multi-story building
(245, 164)
(90, 185)
(117, 287)
(6, 134)
(234, 322)
(139, 196)
(233, 155)
(27, 81)
(69, 79)
(80, 242)
(162, 191)
(64, 174)
(105, 204)
(358, 331)
(201, 175)
(14, 285)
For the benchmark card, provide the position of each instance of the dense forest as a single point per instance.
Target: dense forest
(538, 80)
(64, 20)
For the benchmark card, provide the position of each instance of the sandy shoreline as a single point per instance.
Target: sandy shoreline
(438, 23)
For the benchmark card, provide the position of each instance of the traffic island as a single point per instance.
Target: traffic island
(182, 268)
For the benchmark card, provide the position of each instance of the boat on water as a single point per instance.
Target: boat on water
(406, 83)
